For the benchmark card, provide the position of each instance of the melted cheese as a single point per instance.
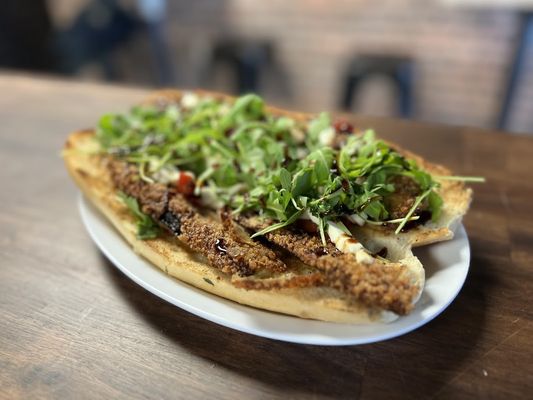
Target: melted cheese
(189, 100)
(327, 136)
(209, 199)
(166, 175)
(348, 244)
(298, 135)
(342, 241)
(356, 219)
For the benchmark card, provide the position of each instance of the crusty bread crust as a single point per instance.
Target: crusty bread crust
(91, 175)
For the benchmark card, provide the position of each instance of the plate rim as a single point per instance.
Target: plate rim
(89, 214)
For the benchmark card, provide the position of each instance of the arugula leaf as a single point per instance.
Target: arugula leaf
(476, 179)
(376, 210)
(146, 226)
(417, 202)
(316, 127)
(301, 183)
(435, 205)
(321, 160)
(279, 225)
(285, 179)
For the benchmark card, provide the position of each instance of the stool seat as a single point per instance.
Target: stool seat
(399, 68)
(247, 59)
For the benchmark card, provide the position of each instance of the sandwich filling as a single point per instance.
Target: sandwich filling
(283, 170)
(286, 192)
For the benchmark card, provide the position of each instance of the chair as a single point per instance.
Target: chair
(247, 60)
(399, 69)
(103, 26)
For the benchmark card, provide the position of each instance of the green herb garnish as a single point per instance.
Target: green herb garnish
(146, 226)
(476, 179)
(277, 167)
(207, 280)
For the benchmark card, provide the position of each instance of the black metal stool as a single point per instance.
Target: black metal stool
(517, 68)
(246, 59)
(399, 69)
(105, 25)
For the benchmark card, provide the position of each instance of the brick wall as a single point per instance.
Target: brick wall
(461, 55)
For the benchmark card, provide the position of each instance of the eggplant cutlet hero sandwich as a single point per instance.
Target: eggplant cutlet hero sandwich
(293, 213)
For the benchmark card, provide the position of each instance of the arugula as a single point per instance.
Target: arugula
(277, 167)
(146, 226)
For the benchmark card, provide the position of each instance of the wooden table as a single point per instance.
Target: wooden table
(72, 326)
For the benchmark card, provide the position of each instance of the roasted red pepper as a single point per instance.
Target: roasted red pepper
(185, 184)
(343, 126)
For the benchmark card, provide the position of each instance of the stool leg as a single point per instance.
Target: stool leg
(525, 37)
(248, 79)
(109, 69)
(404, 79)
(347, 96)
(163, 62)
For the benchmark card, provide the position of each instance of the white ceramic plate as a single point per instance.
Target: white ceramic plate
(446, 267)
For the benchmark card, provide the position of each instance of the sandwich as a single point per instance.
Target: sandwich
(293, 213)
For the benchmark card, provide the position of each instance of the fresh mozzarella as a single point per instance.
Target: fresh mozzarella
(342, 241)
(348, 244)
(356, 219)
(189, 100)
(307, 215)
(209, 199)
(166, 175)
(327, 136)
(298, 135)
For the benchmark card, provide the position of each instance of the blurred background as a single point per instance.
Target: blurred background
(465, 62)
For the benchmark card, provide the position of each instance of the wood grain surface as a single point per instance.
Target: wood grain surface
(72, 326)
